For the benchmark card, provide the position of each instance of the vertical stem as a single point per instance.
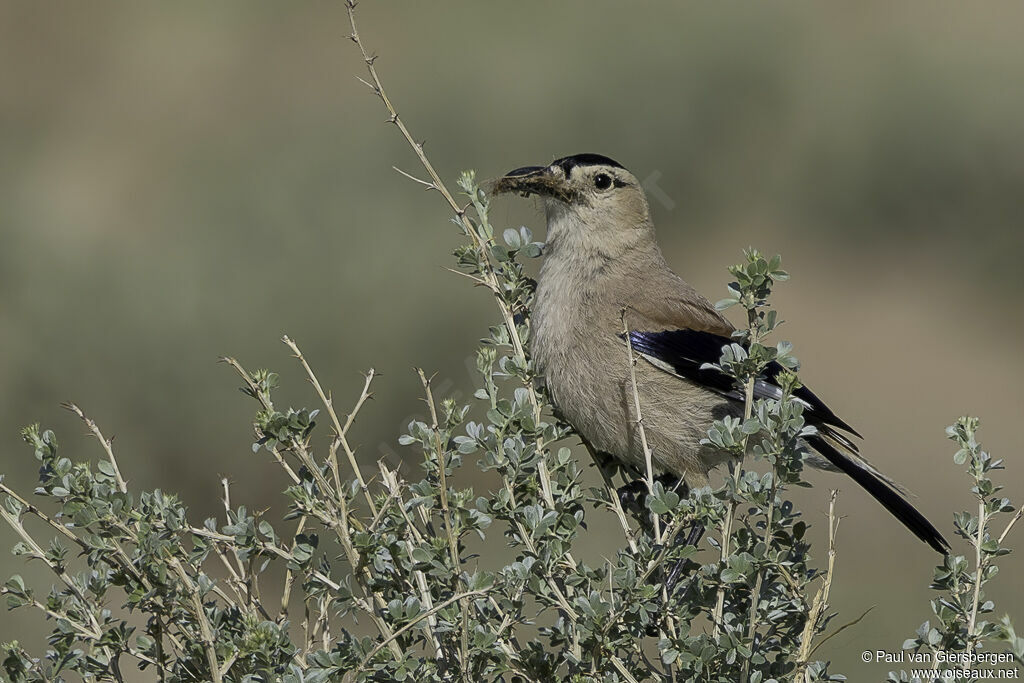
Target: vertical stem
(340, 433)
(449, 532)
(205, 628)
(490, 279)
(755, 595)
(413, 533)
(978, 573)
(807, 646)
(122, 486)
(615, 504)
(648, 454)
(736, 471)
(289, 579)
(648, 462)
(159, 640)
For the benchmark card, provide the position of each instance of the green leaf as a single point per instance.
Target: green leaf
(723, 304)
(512, 238)
(731, 576)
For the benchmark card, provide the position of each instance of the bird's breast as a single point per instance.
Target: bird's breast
(579, 354)
(577, 347)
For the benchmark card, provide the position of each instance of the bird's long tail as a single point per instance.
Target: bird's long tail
(880, 490)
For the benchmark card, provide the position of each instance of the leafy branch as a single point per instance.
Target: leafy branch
(377, 578)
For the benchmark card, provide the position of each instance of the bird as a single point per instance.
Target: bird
(603, 275)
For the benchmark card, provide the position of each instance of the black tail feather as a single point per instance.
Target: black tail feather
(891, 499)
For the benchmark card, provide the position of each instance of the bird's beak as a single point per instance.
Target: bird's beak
(547, 181)
(525, 171)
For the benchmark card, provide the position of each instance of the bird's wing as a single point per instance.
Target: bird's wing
(679, 331)
(671, 304)
(686, 352)
(697, 340)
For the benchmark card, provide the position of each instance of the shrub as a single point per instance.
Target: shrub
(376, 578)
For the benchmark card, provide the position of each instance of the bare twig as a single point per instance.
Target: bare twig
(340, 433)
(490, 280)
(107, 446)
(821, 599)
(205, 628)
(428, 185)
(289, 578)
(840, 630)
(241, 577)
(755, 595)
(648, 457)
(979, 571)
(621, 667)
(453, 542)
(417, 619)
(615, 504)
(490, 277)
(648, 454)
(1013, 520)
(736, 474)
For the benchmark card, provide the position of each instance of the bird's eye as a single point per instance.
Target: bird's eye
(602, 181)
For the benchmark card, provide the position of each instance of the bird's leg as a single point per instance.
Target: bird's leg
(671, 578)
(633, 497)
(693, 536)
(696, 533)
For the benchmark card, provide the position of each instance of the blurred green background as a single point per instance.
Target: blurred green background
(180, 181)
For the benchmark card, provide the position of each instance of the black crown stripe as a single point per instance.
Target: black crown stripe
(569, 163)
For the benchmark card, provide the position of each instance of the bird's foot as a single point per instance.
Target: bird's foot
(680, 567)
(692, 538)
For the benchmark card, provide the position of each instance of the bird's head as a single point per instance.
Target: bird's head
(590, 201)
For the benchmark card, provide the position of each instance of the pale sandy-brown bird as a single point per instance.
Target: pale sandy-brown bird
(601, 259)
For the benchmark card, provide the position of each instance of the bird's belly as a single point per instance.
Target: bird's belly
(596, 397)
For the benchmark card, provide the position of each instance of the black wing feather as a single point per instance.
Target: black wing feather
(687, 351)
(890, 499)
